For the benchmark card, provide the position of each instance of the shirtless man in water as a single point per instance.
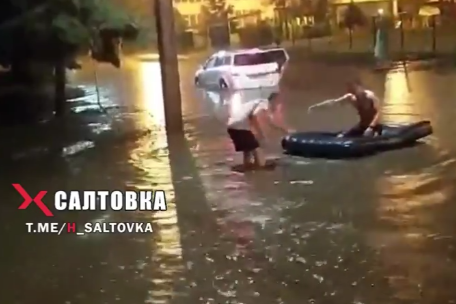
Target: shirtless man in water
(366, 104)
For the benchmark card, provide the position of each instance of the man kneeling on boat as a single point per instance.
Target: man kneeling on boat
(367, 106)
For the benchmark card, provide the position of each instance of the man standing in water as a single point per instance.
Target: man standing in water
(367, 106)
(245, 127)
(245, 120)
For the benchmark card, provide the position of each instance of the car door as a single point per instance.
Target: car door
(216, 72)
(204, 76)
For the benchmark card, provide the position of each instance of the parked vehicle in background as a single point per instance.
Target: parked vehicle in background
(242, 69)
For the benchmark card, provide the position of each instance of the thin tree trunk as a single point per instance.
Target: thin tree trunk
(59, 82)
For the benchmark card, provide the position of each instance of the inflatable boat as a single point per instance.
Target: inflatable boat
(320, 144)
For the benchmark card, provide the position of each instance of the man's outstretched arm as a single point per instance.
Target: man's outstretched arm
(345, 99)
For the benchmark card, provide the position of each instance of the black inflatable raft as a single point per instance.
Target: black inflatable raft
(320, 144)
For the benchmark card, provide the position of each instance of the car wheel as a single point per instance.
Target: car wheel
(197, 81)
(223, 84)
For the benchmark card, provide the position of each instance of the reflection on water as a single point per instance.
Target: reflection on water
(398, 105)
(404, 197)
(166, 252)
(150, 157)
(311, 231)
(152, 92)
(410, 206)
(414, 190)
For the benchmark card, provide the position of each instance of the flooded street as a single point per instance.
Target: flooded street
(377, 230)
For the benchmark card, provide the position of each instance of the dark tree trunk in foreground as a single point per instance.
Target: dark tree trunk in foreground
(60, 82)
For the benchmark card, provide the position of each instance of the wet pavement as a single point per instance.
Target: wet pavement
(374, 230)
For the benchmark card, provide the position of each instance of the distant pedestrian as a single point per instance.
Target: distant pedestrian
(381, 43)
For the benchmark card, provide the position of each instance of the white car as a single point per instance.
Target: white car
(242, 69)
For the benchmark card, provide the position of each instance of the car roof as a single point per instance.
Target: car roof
(246, 51)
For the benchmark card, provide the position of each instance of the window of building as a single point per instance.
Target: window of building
(190, 20)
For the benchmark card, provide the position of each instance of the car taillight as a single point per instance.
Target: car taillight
(279, 68)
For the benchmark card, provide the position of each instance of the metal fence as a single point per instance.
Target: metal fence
(404, 34)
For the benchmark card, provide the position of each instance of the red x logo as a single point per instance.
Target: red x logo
(28, 200)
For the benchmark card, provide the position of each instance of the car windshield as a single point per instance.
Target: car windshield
(260, 58)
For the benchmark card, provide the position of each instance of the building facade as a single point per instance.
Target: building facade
(190, 10)
(369, 7)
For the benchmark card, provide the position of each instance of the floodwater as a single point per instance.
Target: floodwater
(374, 230)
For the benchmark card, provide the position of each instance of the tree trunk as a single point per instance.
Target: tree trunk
(59, 82)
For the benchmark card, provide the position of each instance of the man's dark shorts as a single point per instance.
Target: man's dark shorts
(243, 140)
(359, 130)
